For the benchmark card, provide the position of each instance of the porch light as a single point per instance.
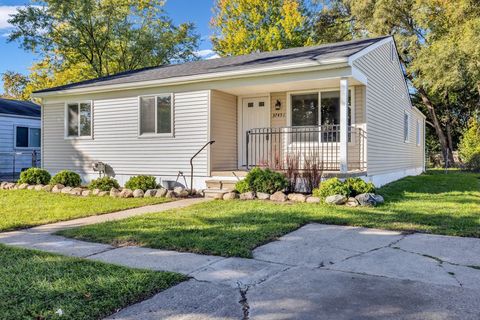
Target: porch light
(278, 105)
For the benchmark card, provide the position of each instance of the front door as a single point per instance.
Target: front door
(255, 114)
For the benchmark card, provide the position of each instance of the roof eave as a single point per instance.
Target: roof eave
(296, 67)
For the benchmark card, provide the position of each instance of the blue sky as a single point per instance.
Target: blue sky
(16, 59)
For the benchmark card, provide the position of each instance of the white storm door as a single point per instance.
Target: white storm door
(255, 114)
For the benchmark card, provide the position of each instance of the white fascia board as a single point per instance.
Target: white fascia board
(419, 112)
(359, 75)
(296, 67)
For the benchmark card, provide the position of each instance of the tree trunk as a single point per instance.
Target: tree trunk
(446, 150)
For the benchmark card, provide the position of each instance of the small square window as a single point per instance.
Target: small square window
(79, 119)
(261, 104)
(250, 105)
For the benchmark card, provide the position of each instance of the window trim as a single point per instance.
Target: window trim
(418, 135)
(406, 137)
(65, 120)
(15, 126)
(172, 117)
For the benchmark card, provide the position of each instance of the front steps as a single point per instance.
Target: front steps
(222, 182)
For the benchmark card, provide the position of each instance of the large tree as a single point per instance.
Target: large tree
(245, 26)
(95, 38)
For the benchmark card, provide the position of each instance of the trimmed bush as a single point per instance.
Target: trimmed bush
(358, 186)
(103, 184)
(34, 176)
(331, 187)
(67, 178)
(266, 181)
(141, 182)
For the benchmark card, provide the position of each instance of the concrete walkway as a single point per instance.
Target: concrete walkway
(316, 272)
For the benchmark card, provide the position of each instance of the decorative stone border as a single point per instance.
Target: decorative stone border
(178, 192)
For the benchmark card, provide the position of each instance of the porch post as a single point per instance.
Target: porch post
(343, 125)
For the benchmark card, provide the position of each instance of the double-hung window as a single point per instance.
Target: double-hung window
(79, 119)
(156, 115)
(26, 137)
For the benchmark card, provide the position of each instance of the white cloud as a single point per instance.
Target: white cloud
(5, 15)
(207, 54)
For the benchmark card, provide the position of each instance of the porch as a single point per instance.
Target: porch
(311, 124)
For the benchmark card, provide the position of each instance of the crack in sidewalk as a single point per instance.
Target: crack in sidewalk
(244, 301)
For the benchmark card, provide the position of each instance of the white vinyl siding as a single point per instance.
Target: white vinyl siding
(387, 101)
(223, 130)
(8, 126)
(115, 139)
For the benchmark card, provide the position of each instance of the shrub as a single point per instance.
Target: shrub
(67, 178)
(34, 176)
(259, 180)
(104, 184)
(358, 186)
(141, 182)
(331, 187)
(469, 147)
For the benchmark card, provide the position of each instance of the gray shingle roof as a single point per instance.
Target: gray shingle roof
(250, 61)
(19, 108)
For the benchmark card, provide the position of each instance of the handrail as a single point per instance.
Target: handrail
(191, 163)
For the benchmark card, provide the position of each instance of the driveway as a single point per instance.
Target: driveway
(327, 272)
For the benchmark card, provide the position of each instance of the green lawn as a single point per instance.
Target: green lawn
(27, 208)
(35, 285)
(434, 202)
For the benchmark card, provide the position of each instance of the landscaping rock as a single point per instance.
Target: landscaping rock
(162, 192)
(57, 188)
(3, 184)
(182, 194)
(170, 194)
(230, 196)
(114, 192)
(102, 193)
(247, 195)
(126, 193)
(278, 196)
(313, 200)
(48, 188)
(138, 193)
(38, 187)
(150, 193)
(367, 199)
(66, 189)
(86, 193)
(336, 199)
(379, 199)
(31, 187)
(11, 186)
(95, 192)
(178, 190)
(23, 186)
(297, 197)
(352, 202)
(263, 196)
(76, 191)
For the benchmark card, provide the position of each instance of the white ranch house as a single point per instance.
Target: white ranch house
(344, 104)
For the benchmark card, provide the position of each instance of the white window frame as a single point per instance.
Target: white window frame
(319, 92)
(28, 138)
(172, 116)
(418, 135)
(406, 138)
(66, 136)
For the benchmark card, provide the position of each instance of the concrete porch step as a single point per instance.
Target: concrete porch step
(214, 193)
(221, 184)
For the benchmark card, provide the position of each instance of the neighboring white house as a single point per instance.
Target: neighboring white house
(345, 104)
(19, 136)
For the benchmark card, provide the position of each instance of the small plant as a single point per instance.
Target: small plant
(104, 184)
(293, 172)
(331, 187)
(67, 178)
(358, 186)
(469, 147)
(312, 172)
(34, 176)
(141, 182)
(259, 180)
